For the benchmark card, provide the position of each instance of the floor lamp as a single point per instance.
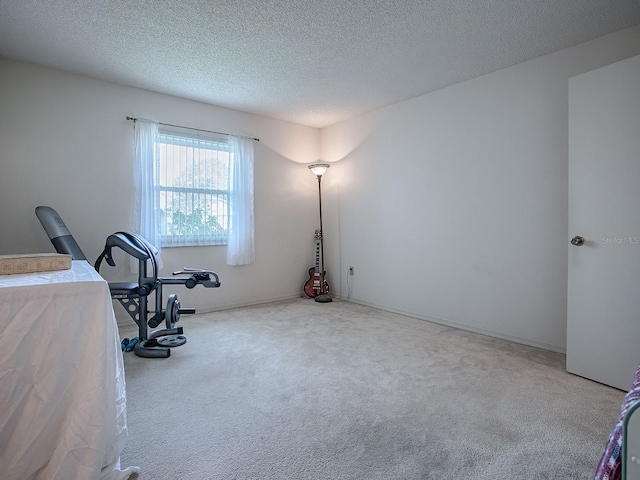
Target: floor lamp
(318, 170)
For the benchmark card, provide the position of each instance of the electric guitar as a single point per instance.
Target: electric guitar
(316, 284)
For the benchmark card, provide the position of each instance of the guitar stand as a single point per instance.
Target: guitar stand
(134, 296)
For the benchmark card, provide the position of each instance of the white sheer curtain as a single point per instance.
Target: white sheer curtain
(146, 200)
(241, 250)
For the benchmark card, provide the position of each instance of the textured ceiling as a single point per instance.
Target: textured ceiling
(313, 62)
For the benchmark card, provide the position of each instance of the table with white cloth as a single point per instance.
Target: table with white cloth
(62, 385)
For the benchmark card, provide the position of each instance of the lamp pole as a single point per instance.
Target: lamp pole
(318, 169)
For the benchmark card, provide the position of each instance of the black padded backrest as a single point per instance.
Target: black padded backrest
(58, 233)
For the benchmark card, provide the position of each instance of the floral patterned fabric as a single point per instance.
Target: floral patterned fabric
(610, 465)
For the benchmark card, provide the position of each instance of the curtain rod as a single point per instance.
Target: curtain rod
(133, 119)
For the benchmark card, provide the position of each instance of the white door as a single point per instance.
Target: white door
(603, 317)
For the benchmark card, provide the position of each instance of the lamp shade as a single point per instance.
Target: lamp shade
(318, 169)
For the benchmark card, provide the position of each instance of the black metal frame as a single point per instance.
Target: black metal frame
(134, 296)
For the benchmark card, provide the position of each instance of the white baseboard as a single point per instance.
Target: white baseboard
(252, 303)
(461, 326)
(419, 316)
(125, 321)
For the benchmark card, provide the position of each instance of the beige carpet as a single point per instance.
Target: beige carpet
(302, 390)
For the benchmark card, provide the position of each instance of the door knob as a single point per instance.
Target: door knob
(578, 241)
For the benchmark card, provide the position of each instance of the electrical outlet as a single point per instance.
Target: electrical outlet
(350, 270)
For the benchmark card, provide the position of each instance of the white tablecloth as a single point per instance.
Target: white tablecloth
(62, 385)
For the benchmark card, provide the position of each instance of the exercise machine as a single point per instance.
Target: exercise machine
(134, 296)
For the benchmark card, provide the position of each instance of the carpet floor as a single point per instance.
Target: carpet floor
(302, 390)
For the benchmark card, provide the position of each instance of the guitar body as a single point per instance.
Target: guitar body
(312, 288)
(316, 285)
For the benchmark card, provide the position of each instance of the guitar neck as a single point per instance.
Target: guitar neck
(317, 267)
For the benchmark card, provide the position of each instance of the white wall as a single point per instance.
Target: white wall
(452, 206)
(64, 142)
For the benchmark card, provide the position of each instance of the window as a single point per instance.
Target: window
(192, 190)
(192, 183)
